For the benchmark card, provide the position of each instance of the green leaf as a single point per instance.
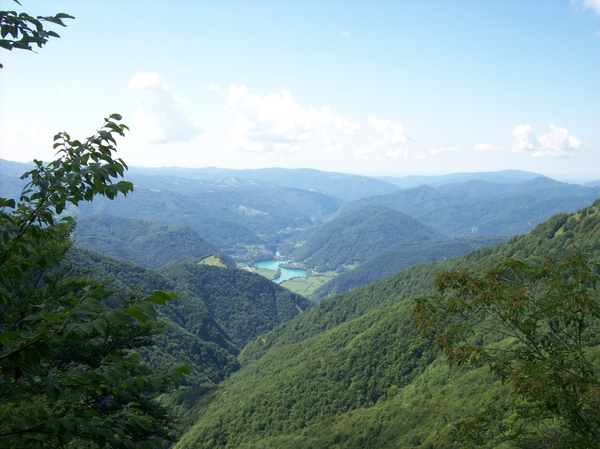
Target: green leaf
(160, 297)
(100, 325)
(52, 392)
(137, 313)
(148, 310)
(86, 327)
(117, 317)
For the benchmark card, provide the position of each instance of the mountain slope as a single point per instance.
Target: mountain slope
(517, 210)
(352, 371)
(192, 335)
(356, 235)
(243, 218)
(218, 311)
(149, 244)
(396, 258)
(245, 304)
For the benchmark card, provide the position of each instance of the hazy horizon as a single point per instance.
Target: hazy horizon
(371, 88)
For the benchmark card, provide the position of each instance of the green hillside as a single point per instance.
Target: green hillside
(245, 304)
(352, 372)
(243, 218)
(398, 257)
(149, 244)
(460, 210)
(219, 310)
(356, 235)
(192, 334)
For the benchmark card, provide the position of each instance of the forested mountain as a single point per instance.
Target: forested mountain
(244, 219)
(245, 304)
(219, 310)
(353, 371)
(501, 177)
(456, 214)
(354, 236)
(149, 244)
(540, 188)
(398, 257)
(338, 185)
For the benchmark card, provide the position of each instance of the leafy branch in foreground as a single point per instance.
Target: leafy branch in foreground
(537, 329)
(24, 30)
(69, 373)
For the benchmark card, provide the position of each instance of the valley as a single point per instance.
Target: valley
(315, 347)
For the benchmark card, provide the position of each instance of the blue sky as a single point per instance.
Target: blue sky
(369, 87)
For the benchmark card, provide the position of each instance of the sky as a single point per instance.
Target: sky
(374, 87)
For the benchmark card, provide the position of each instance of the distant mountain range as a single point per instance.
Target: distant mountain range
(249, 214)
(502, 176)
(484, 208)
(338, 185)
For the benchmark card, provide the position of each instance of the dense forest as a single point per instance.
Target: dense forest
(267, 367)
(353, 371)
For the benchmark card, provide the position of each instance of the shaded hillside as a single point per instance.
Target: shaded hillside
(208, 324)
(245, 304)
(456, 214)
(352, 372)
(398, 257)
(149, 244)
(354, 236)
(192, 335)
(226, 226)
(339, 185)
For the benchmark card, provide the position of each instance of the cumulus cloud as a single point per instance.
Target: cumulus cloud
(444, 150)
(594, 5)
(276, 123)
(160, 113)
(386, 140)
(558, 142)
(395, 134)
(485, 148)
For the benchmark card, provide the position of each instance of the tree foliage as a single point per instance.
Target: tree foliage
(24, 30)
(537, 329)
(69, 373)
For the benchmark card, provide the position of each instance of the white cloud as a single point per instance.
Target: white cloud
(160, 113)
(558, 142)
(214, 88)
(594, 5)
(524, 138)
(485, 148)
(346, 34)
(276, 123)
(420, 156)
(444, 150)
(25, 142)
(395, 134)
(386, 141)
